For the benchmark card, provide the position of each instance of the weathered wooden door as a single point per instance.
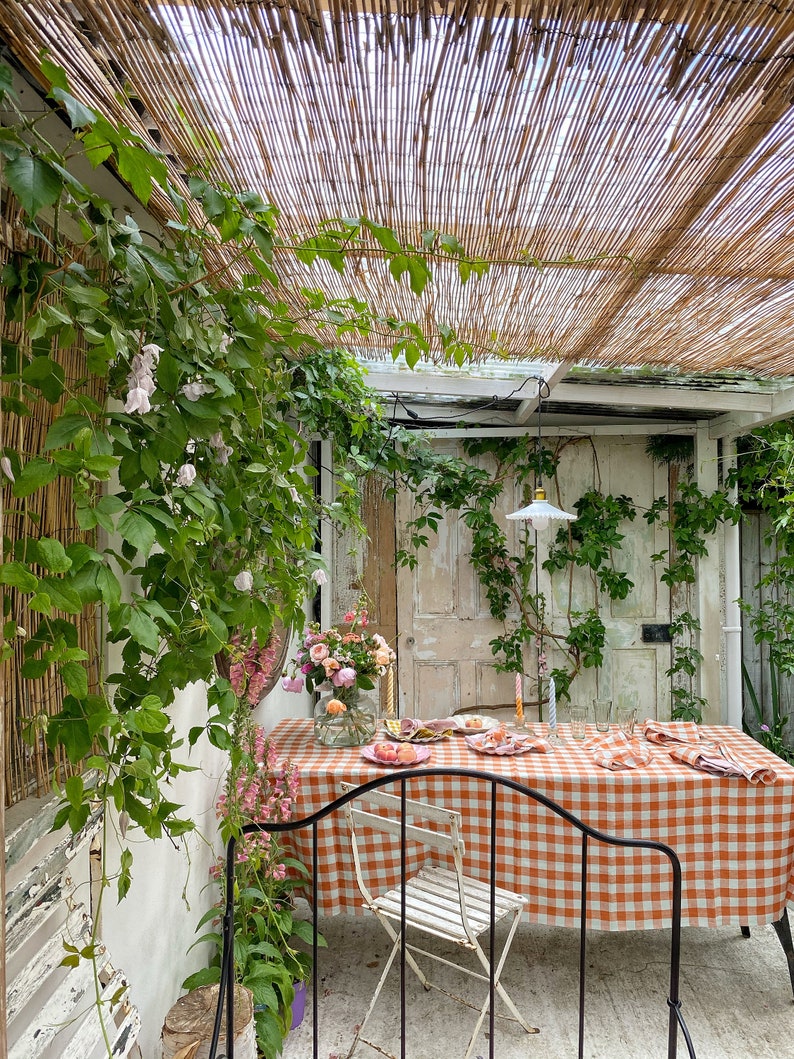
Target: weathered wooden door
(444, 655)
(445, 628)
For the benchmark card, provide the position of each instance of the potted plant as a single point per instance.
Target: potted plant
(343, 664)
(270, 941)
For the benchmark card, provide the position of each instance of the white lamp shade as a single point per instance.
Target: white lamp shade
(540, 512)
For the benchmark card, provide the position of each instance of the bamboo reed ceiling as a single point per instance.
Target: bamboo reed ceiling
(661, 132)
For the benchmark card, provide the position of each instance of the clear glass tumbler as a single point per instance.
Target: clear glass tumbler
(602, 711)
(578, 722)
(627, 718)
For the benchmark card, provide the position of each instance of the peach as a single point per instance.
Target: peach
(385, 752)
(406, 753)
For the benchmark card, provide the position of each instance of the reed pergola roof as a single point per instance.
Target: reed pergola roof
(643, 149)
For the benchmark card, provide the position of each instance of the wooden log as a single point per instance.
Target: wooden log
(191, 1019)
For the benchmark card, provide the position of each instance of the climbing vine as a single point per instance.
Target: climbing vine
(509, 578)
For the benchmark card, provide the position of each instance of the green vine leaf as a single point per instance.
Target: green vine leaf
(34, 182)
(35, 473)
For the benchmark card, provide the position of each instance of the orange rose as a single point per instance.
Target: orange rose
(335, 707)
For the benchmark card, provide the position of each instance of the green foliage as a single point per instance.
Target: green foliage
(509, 578)
(271, 944)
(692, 516)
(770, 735)
(198, 469)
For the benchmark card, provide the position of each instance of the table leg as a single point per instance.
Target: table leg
(745, 932)
(783, 931)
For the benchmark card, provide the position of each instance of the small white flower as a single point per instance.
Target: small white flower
(224, 344)
(137, 401)
(5, 466)
(21, 631)
(222, 450)
(149, 355)
(186, 475)
(194, 391)
(244, 581)
(319, 577)
(293, 492)
(141, 380)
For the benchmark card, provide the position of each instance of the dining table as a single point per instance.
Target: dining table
(734, 838)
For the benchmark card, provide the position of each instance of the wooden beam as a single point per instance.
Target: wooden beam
(527, 407)
(639, 396)
(731, 426)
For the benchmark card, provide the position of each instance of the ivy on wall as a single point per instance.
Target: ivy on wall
(592, 543)
(193, 481)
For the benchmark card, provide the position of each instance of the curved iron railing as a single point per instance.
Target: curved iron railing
(226, 989)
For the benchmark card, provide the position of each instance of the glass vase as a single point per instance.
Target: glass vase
(345, 717)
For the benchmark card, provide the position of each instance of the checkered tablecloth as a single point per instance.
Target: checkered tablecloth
(735, 840)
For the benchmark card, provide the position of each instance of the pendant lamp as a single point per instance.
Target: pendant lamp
(540, 512)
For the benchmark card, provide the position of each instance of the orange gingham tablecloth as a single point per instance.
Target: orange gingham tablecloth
(735, 840)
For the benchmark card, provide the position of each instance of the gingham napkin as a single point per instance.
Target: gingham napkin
(413, 728)
(619, 751)
(669, 733)
(501, 741)
(721, 760)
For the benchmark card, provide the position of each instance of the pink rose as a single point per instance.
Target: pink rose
(344, 678)
(292, 683)
(318, 652)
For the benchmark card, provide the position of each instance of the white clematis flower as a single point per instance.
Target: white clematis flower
(138, 401)
(194, 391)
(244, 581)
(186, 475)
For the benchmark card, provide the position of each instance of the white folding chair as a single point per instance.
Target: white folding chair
(441, 902)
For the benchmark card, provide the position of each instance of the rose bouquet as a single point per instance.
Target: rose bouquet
(344, 663)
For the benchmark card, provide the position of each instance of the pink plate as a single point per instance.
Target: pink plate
(422, 754)
(477, 743)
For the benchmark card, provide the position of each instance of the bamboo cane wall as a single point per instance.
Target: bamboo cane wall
(29, 766)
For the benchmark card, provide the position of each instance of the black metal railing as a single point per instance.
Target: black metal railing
(403, 779)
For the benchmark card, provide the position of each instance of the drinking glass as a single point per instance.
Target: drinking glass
(626, 718)
(602, 710)
(578, 722)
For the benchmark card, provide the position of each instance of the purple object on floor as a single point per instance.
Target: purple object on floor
(298, 1005)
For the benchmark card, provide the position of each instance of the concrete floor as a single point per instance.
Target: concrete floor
(735, 992)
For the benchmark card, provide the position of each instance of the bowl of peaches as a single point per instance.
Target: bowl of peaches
(395, 754)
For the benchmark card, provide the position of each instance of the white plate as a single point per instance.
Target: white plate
(464, 727)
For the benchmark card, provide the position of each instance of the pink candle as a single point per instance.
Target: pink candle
(519, 700)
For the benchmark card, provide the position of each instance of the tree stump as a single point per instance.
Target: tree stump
(191, 1019)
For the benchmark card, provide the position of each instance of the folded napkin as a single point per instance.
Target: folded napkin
(720, 760)
(414, 728)
(619, 751)
(502, 741)
(668, 733)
